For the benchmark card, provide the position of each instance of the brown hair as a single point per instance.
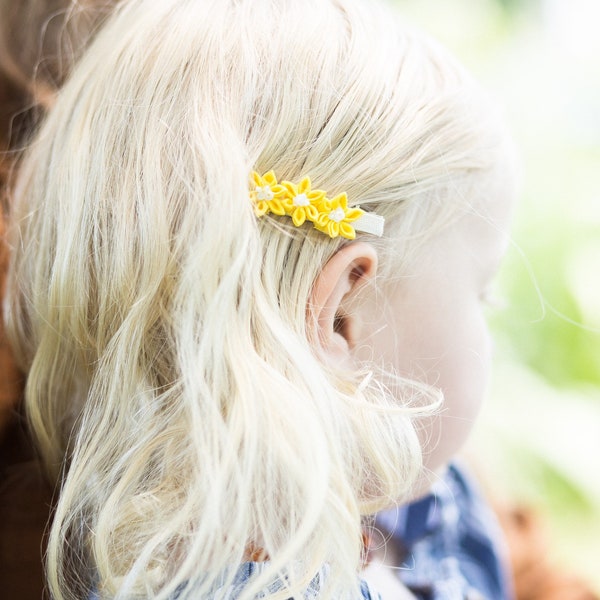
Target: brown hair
(39, 42)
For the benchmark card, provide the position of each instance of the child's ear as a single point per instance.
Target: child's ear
(335, 328)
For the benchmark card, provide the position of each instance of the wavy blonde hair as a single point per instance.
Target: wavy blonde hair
(171, 377)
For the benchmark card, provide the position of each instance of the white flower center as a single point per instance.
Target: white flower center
(264, 193)
(301, 200)
(337, 215)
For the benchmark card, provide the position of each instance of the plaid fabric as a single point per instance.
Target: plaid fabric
(449, 544)
(231, 591)
(251, 569)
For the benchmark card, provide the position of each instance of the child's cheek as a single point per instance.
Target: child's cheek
(462, 375)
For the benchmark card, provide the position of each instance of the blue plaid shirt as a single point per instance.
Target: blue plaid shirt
(448, 544)
(251, 569)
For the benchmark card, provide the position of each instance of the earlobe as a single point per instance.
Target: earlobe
(334, 327)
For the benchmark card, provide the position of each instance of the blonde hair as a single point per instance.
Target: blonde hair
(163, 327)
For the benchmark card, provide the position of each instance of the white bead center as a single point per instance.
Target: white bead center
(337, 215)
(264, 193)
(301, 200)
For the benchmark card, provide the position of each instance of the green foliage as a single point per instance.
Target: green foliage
(512, 6)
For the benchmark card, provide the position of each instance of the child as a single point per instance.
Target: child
(230, 364)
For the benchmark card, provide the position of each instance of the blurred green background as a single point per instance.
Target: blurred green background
(538, 441)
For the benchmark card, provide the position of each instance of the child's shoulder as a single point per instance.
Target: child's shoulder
(449, 540)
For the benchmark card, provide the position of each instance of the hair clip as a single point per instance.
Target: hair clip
(331, 216)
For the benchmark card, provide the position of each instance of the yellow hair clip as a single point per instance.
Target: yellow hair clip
(302, 203)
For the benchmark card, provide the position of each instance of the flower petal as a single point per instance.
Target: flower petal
(322, 220)
(288, 203)
(276, 207)
(261, 208)
(257, 179)
(343, 200)
(324, 206)
(353, 213)
(299, 216)
(316, 195)
(347, 231)
(333, 229)
(304, 185)
(292, 188)
(312, 214)
(270, 178)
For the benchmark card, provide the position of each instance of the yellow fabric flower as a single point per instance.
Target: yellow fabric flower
(302, 204)
(335, 217)
(266, 195)
(300, 201)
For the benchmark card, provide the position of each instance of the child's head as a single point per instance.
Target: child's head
(210, 380)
